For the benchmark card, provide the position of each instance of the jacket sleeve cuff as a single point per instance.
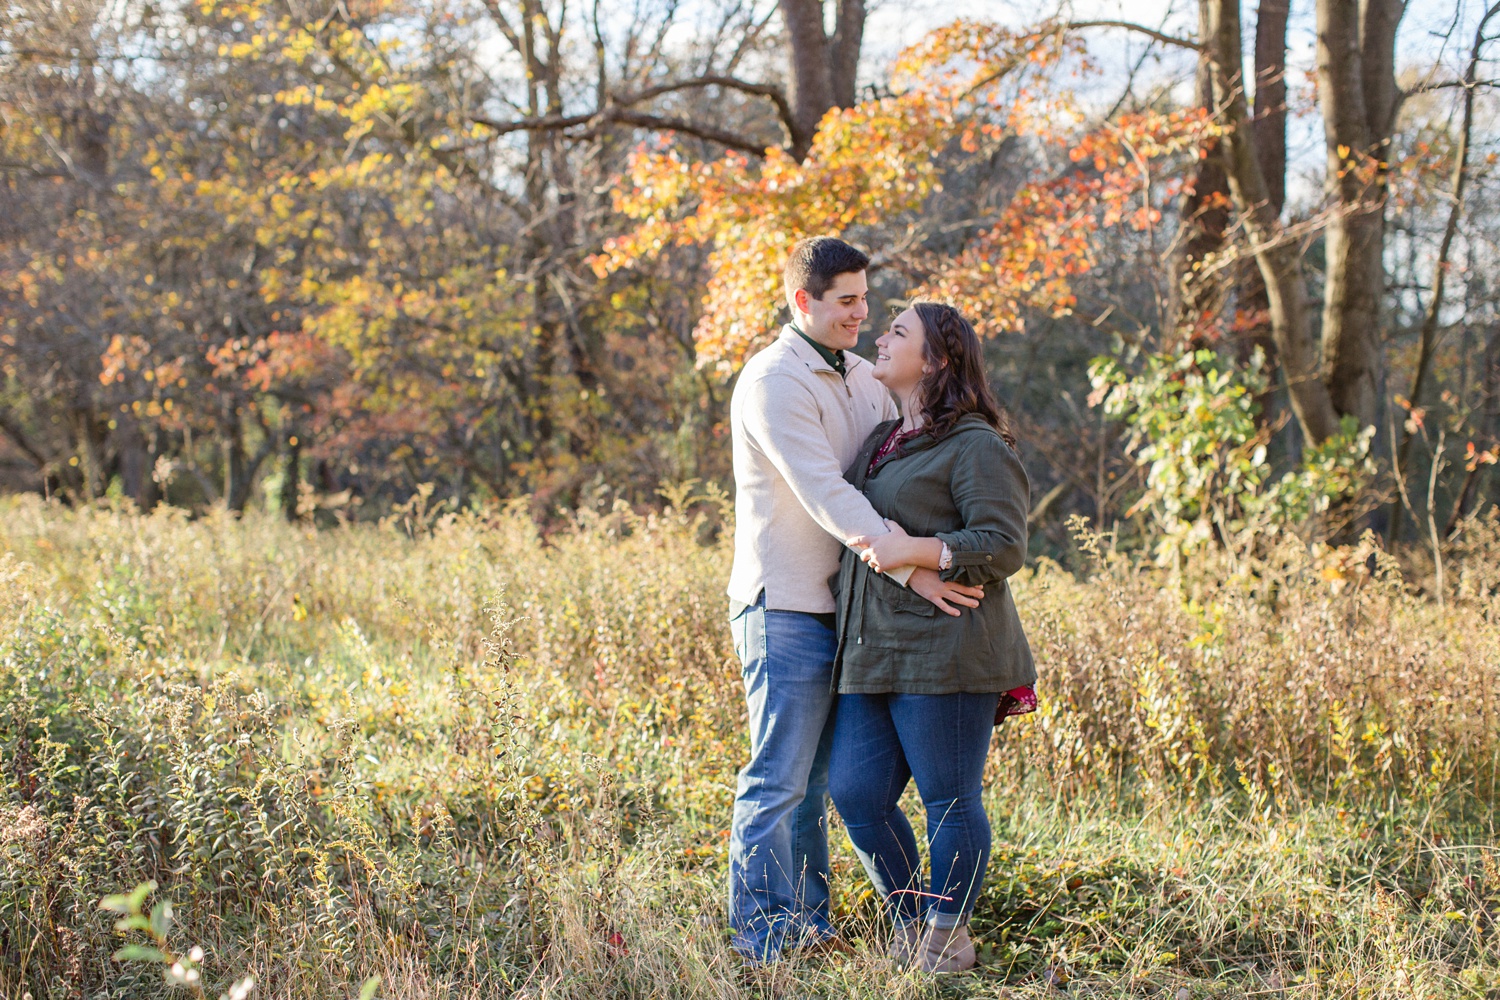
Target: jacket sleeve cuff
(963, 556)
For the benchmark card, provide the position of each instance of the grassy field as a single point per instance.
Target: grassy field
(473, 761)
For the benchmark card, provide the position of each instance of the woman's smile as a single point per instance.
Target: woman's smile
(899, 354)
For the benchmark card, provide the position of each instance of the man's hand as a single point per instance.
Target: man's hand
(883, 553)
(930, 585)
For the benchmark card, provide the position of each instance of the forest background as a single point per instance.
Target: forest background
(267, 253)
(366, 368)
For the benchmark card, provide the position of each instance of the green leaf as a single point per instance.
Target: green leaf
(134, 922)
(161, 919)
(367, 991)
(138, 895)
(140, 953)
(128, 903)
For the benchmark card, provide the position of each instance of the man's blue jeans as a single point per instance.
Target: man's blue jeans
(881, 742)
(778, 843)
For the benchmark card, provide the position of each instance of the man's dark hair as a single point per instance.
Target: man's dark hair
(815, 262)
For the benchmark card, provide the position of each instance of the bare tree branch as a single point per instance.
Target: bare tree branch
(32, 169)
(1429, 335)
(623, 116)
(711, 134)
(1163, 37)
(536, 123)
(775, 93)
(1427, 88)
(20, 439)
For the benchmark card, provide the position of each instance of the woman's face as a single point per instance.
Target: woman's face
(898, 353)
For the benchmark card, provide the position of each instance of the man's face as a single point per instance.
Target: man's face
(835, 319)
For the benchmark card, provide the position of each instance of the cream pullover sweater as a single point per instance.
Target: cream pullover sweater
(796, 425)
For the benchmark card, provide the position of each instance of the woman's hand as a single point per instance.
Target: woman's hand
(883, 553)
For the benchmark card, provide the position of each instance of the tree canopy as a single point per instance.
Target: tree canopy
(316, 255)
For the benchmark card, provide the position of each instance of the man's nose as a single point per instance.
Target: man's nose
(862, 310)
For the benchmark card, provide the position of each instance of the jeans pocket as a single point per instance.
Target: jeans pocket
(737, 632)
(748, 630)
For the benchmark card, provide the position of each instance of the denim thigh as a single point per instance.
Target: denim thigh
(778, 835)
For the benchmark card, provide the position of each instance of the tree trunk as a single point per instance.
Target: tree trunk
(291, 478)
(1270, 97)
(136, 465)
(88, 439)
(1491, 396)
(1358, 94)
(1428, 338)
(848, 36)
(823, 67)
(236, 478)
(1196, 299)
(1278, 259)
(1271, 150)
(1269, 132)
(12, 429)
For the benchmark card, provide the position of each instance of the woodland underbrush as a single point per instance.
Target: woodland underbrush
(473, 761)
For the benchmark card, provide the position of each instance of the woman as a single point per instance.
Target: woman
(919, 691)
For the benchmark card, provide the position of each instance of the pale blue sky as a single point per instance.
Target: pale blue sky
(1421, 44)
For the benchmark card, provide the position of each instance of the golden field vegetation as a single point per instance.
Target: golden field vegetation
(474, 761)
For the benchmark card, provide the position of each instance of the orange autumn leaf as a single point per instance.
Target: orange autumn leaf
(878, 162)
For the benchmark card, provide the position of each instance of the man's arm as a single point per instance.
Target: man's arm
(780, 418)
(897, 548)
(921, 559)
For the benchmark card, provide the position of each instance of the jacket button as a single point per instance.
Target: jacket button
(989, 558)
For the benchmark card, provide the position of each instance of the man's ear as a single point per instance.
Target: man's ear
(799, 298)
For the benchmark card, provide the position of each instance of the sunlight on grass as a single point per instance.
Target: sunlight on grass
(474, 761)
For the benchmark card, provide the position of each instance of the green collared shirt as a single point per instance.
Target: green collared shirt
(834, 358)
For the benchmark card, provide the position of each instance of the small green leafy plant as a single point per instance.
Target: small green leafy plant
(178, 969)
(1194, 424)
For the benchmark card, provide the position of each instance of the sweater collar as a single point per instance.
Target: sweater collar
(818, 357)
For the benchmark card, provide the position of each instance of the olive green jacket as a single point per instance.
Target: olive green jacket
(969, 490)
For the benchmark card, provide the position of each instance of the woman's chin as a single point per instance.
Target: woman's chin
(894, 384)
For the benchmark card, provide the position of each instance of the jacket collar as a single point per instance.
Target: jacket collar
(967, 422)
(805, 353)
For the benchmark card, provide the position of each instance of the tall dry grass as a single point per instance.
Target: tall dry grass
(475, 761)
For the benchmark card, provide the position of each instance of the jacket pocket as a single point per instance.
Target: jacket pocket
(895, 617)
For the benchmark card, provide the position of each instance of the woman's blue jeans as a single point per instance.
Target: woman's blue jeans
(882, 741)
(778, 839)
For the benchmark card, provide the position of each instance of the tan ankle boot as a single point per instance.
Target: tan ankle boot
(947, 949)
(906, 942)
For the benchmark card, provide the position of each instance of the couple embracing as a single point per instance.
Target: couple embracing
(878, 639)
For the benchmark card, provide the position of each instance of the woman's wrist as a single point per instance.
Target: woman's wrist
(925, 552)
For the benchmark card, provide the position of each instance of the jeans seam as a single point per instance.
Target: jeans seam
(913, 865)
(762, 926)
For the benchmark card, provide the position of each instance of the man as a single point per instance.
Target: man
(800, 411)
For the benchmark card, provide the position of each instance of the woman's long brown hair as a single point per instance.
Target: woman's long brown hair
(955, 383)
